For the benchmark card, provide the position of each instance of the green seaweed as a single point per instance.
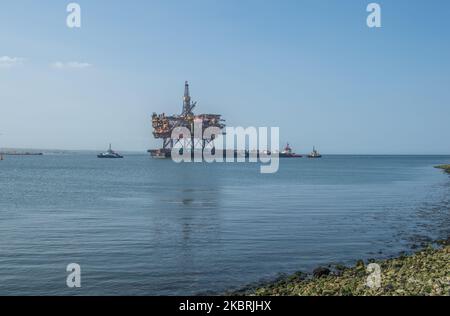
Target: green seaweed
(425, 273)
(446, 168)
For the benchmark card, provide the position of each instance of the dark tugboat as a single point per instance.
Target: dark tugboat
(314, 154)
(287, 153)
(111, 154)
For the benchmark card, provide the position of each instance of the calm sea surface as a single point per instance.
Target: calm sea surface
(139, 226)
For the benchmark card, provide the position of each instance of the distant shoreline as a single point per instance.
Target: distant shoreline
(21, 154)
(40, 152)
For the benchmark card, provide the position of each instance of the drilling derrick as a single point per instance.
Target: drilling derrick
(187, 105)
(164, 126)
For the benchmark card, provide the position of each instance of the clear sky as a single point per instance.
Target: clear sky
(313, 68)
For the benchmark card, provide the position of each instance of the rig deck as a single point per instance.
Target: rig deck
(164, 127)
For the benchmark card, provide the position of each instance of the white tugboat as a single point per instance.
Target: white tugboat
(288, 153)
(111, 154)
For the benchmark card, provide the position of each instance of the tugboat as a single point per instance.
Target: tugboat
(110, 154)
(160, 153)
(314, 154)
(287, 153)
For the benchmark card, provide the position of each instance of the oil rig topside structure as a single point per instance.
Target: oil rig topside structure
(163, 127)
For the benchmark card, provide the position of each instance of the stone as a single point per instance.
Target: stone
(321, 272)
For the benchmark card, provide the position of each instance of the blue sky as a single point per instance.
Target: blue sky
(313, 68)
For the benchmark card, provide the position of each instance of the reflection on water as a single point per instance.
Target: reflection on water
(143, 226)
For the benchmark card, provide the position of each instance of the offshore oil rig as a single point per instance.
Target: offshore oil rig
(164, 126)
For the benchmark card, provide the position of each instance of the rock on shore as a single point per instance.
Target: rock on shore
(425, 273)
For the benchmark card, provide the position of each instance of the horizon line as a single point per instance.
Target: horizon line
(145, 151)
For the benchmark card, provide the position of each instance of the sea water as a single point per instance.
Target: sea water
(138, 226)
